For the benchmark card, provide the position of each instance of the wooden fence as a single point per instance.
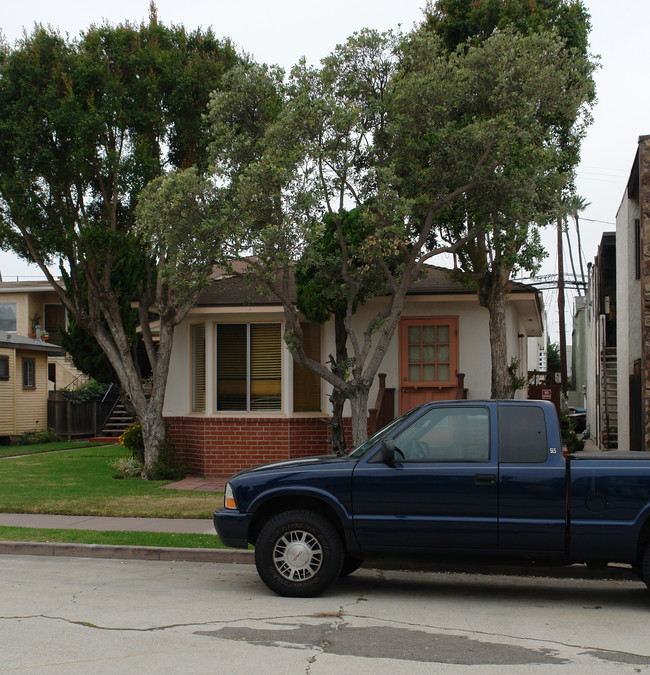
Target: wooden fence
(69, 418)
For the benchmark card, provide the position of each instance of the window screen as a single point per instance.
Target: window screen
(522, 434)
(198, 367)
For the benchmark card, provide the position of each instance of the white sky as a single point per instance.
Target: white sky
(284, 30)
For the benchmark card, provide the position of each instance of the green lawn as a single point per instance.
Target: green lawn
(81, 482)
(110, 538)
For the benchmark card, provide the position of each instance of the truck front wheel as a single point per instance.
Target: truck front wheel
(298, 554)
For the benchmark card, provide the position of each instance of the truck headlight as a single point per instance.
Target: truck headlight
(229, 498)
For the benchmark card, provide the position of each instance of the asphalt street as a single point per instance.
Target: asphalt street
(81, 615)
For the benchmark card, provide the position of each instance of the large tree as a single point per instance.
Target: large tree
(509, 213)
(84, 126)
(387, 126)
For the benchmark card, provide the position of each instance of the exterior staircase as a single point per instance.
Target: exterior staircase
(118, 421)
(608, 399)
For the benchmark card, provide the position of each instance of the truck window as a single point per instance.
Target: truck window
(447, 435)
(522, 434)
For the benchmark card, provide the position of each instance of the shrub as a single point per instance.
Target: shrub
(90, 391)
(569, 436)
(37, 436)
(127, 467)
(131, 439)
(165, 467)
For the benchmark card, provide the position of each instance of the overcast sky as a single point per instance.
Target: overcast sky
(284, 30)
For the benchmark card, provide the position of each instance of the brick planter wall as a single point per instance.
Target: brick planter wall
(221, 446)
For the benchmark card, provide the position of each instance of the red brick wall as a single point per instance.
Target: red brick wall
(221, 446)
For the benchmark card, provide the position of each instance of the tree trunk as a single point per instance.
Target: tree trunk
(493, 296)
(337, 398)
(153, 435)
(359, 405)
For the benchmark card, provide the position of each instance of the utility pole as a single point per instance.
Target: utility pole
(560, 307)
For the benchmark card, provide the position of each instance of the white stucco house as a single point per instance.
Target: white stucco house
(235, 397)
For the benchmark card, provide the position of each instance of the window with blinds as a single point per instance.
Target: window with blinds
(306, 383)
(249, 367)
(198, 367)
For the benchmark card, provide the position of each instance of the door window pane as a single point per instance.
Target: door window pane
(447, 435)
(429, 354)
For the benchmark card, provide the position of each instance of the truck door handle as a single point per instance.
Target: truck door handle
(485, 479)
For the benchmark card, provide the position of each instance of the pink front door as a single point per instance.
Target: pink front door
(428, 360)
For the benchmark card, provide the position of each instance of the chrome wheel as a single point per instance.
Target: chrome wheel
(297, 555)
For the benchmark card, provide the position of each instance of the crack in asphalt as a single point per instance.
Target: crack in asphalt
(319, 637)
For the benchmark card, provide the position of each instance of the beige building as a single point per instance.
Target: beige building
(33, 309)
(23, 383)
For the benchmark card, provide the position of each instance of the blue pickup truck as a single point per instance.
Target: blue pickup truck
(461, 478)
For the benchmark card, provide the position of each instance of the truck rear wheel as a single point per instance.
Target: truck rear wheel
(298, 554)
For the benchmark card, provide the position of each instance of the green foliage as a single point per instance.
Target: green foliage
(127, 467)
(37, 436)
(131, 439)
(570, 438)
(89, 391)
(553, 361)
(321, 288)
(460, 21)
(85, 125)
(166, 467)
(538, 52)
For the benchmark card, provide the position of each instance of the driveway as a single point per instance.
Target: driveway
(79, 615)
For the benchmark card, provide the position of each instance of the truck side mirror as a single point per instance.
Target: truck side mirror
(387, 452)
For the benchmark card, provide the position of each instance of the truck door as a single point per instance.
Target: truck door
(441, 492)
(532, 480)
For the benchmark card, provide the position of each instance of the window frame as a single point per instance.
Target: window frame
(29, 373)
(249, 397)
(198, 368)
(15, 306)
(4, 359)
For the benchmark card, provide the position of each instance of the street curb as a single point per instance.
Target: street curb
(214, 555)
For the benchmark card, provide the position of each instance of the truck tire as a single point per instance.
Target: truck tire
(298, 554)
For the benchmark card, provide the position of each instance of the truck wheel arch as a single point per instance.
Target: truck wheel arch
(275, 505)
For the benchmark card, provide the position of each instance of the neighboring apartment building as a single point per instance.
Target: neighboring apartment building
(632, 308)
(32, 309)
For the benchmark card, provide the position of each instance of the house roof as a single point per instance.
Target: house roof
(14, 341)
(237, 291)
(25, 286)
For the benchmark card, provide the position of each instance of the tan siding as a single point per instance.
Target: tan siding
(7, 404)
(31, 404)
